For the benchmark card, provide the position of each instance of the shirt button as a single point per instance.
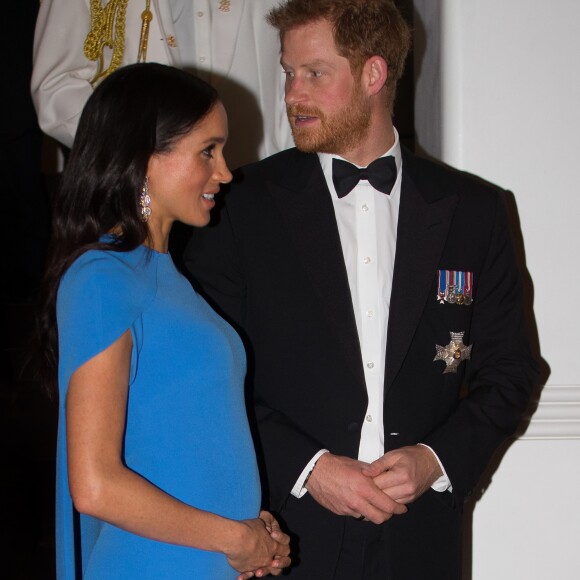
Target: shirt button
(369, 418)
(365, 207)
(200, 14)
(367, 260)
(202, 59)
(370, 365)
(370, 313)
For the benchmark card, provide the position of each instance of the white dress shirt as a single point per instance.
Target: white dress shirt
(367, 225)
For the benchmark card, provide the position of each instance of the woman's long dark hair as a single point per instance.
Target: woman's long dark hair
(139, 110)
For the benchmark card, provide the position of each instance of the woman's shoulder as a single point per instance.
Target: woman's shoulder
(115, 267)
(102, 277)
(101, 295)
(109, 263)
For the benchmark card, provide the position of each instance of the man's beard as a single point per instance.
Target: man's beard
(338, 133)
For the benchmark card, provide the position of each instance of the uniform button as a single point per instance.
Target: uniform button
(200, 14)
(367, 260)
(371, 365)
(369, 418)
(370, 313)
(365, 207)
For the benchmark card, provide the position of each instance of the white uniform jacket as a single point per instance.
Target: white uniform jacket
(235, 49)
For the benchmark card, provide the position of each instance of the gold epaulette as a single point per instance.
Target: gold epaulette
(108, 31)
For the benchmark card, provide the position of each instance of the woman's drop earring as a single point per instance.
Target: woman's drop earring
(145, 201)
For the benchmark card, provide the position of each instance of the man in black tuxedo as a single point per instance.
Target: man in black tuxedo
(381, 306)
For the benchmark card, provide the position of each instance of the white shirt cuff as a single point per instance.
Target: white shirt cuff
(299, 490)
(443, 483)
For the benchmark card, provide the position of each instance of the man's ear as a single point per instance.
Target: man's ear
(374, 74)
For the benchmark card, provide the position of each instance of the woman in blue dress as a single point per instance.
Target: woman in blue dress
(156, 471)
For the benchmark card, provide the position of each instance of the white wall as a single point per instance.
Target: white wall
(498, 94)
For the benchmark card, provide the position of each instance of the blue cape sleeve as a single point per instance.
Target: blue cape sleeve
(101, 296)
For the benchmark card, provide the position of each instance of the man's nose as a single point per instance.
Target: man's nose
(294, 91)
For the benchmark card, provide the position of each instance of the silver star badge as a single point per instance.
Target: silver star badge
(453, 353)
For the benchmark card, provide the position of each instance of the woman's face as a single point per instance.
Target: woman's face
(183, 181)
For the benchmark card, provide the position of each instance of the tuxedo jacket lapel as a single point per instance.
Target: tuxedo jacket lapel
(421, 234)
(306, 207)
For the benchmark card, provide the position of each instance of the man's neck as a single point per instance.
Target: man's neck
(379, 139)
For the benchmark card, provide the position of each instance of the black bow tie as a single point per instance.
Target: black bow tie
(381, 174)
